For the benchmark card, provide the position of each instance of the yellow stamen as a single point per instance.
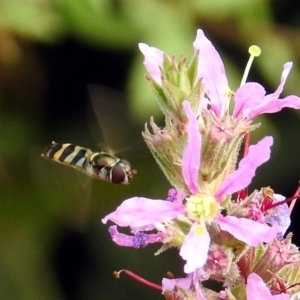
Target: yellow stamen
(254, 52)
(202, 207)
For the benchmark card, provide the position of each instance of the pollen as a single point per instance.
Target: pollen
(139, 240)
(202, 207)
(199, 229)
(254, 50)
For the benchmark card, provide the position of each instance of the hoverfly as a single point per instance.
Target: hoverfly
(100, 165)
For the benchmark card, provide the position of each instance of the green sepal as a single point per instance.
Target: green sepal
(184, 226)
(170, 70)
(259, 252)
(195, 97)
(166, 155)
(239, 291)
(230, 295)
(162, 100)
(174, 95)
(184, 81)
(192, 71)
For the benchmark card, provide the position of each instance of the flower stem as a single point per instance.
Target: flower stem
(254, 52)
(292, 199)
(138, 278)
(295, 197)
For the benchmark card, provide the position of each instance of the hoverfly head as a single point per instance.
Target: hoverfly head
(121, 172)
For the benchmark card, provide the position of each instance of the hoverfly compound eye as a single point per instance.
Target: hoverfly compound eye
(118, 174)
(121, 173)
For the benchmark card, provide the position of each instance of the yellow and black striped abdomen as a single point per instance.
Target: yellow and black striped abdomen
(68, 154)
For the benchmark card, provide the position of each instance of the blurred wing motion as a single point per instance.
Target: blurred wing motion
(109, 111)
(100, 165)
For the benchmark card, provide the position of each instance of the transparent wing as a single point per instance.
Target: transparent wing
(111, 121)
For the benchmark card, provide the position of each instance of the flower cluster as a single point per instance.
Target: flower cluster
(222, 232)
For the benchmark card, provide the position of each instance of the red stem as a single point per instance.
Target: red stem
(140, 279)
(296, 195)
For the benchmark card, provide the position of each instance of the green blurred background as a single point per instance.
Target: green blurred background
(52, 243)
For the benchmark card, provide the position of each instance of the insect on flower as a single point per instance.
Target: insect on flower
(100, 165)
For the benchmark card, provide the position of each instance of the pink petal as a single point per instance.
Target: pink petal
(248, 96)
(153, 61)
(211, 71)
(271, 103)
(274, 106)
(139, 211)
(241, 178)
(194, 249)
(169, 284)
(192, 151)
(125, 240)
(286, 70)
(120, 239)
(256, 289)
(199, 293)
(248, 231)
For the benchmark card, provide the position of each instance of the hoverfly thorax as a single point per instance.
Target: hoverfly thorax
(111, 168)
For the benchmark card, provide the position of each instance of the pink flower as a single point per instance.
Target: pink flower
(144, 214)
(281, 252)
(250, 99)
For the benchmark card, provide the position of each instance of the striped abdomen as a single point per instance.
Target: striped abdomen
(68, 154)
